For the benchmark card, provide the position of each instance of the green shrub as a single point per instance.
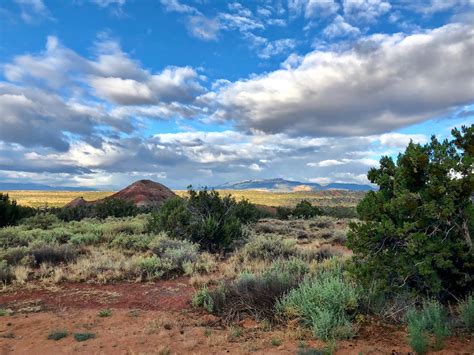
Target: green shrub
(430, 320)
(57, 334)
(202, 298)
(466, 310)
(325, 303)
(132, 242)
(104, 313)
(85, 239)
(268, 248)
(153, 267)
(205, 218)
(416, 229)
(41, 221)
(14, 256)
(11, 237)
(5, 272)
(83, 336)
(256, 295)
(115, 207)
(305, 210)
(54, 254)
(10, 212)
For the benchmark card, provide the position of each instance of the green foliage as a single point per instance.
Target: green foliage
(268, 248)
(54, 254)
(5, 272)
(205, 218)
(115, 207)
(305, 210)
(325, 303)
(57, 334)
(254, 294)
(430, 320)
(202, 298)
(104, 313)
(83, 336)
(466, 310)
(416, 230)
(10, 212)
(41, 221)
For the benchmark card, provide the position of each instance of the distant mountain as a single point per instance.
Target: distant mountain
(288, 185)
(5, 186)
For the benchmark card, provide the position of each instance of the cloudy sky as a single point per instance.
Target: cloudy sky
(100, 93)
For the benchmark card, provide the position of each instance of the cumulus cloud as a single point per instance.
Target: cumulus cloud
(383, 83)
(340, 28)
(313, 8)
(203, 28)
(365, 10)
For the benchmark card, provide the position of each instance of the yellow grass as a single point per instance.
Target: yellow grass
(319, 198)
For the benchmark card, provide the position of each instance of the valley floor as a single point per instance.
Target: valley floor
(157, 318)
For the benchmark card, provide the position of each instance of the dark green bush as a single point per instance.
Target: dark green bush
(5, 272)
(304, 209)
(416, 230)
(41, 221)
(253, 295)
(205, 218)
(115, 207)
(54, 254)
(10, 212)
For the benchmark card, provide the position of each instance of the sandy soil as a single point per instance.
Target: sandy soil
(156, 318)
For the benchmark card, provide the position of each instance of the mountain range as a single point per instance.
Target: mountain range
(288, 185)
(12, 186)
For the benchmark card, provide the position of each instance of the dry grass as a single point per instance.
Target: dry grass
(319, 198)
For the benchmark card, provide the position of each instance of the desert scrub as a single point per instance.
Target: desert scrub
(102, 265)
(83, 336)
(153, 267)
(268, 248)
(326, 303)
(254, 295)
(202, 298)
(466, 310)
(104, 313)
(5, 272)
(57, 334)
(430, 320)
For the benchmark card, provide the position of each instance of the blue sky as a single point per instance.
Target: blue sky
(103, 92)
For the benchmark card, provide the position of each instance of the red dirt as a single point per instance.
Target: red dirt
(158, 318)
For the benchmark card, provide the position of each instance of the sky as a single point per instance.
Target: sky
(100, 93)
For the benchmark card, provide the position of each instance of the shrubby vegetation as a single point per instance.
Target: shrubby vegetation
(10, 212)
(415, 232)
(215, 223)
(109, 207)
(303, 209)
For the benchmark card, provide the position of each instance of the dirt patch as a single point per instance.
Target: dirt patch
(162, 295)
(156, 318)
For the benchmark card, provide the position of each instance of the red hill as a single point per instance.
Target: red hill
(144, 193)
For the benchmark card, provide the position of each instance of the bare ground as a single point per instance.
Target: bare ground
(157, 318)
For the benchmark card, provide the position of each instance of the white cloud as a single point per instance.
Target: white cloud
(33, 11)
(255, 167)
(313, 8)
(399, 140)
(383, 83)
(365, 10)
(340, 28)
(203, 28)
(176, 6)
